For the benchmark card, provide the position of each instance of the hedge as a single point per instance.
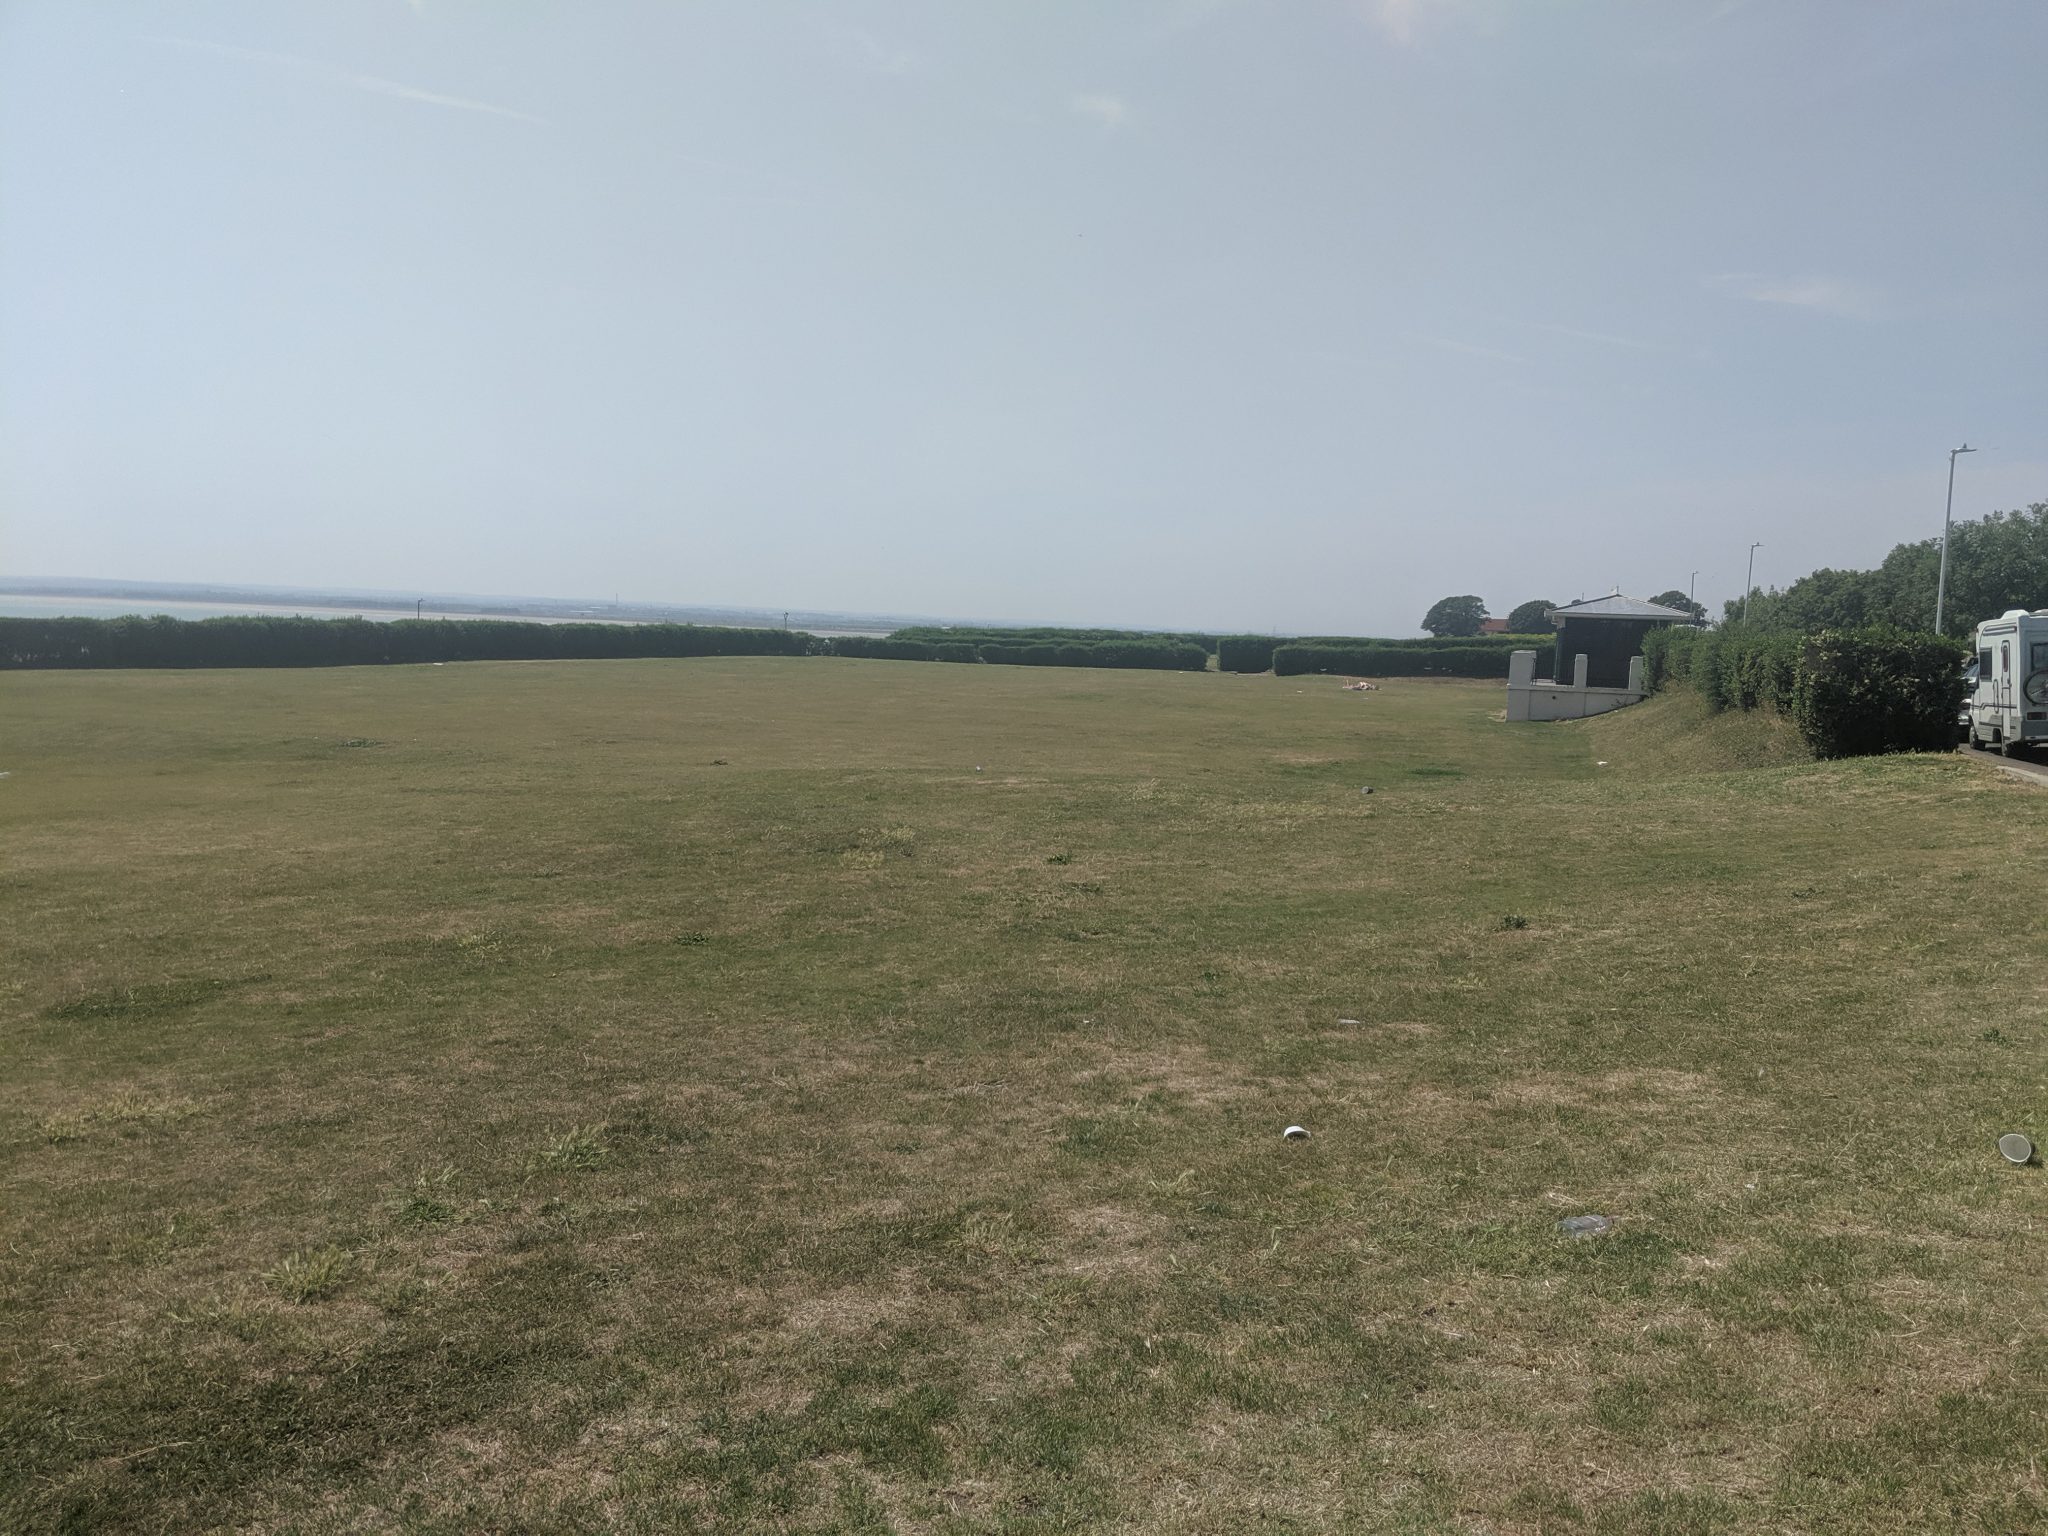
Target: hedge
(1851, 692)
(1540, 642)
(1158, 655)
(1730, 669)
(1392, 660)
(1863, 691)
(1245, 653)
(1254, 653)
(1039, 653)
(876, 648)
(292, 641)
(975, 634)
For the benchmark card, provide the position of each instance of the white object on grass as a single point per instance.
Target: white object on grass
(2017, 1148)
(1295, 1133)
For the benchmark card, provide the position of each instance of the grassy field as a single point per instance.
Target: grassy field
(824, 1095)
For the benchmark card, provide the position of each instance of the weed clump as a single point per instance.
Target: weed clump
(1513, 922)
(426, 1203)
(578, 1149)
(311, 1276)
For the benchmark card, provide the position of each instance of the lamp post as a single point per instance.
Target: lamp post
(1941, 583)
(1749, 581)
(1691, 606)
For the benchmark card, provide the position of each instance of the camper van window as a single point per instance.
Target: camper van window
(2040, 655)
(1984, 665)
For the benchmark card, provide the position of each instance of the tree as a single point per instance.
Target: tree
(1531, 618)
(1455, 616)
(1995, 562)
(1677, 599)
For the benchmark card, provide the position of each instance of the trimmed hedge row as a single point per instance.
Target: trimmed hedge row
(1049, 635)
(1254, 653)
(1863, 691)
(1851, 692)
(1730, 669)
(1158, 655)
(290, 641)
(1467, 642)
(892, 649)
(1155, 655)
(1392, 660)
(1245, 653)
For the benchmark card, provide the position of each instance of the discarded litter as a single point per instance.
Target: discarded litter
(1602, 763)
(1295, 1133)
(1352, 1023)
(1366, 790)
(2017, 1148)
(1584, 1226)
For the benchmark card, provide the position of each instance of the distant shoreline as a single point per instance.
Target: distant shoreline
(78, 602)
(106, 597)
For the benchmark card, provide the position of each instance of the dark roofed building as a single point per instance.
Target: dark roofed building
(1608, 632)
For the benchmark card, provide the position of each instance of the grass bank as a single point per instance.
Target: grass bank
(1675, 734)
(825, 1095)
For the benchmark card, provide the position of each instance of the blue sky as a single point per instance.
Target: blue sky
(1193, 312)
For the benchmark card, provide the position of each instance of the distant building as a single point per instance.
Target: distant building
(1493, 626)
(1597, 664)
(1607, 631)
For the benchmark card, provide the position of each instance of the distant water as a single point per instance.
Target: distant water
(50, 605)
(43, 605)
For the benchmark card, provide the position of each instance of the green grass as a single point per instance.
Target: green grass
(650, 1096)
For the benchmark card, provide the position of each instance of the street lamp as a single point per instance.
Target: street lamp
(1691, 606)
(1941, 583)
(1749, 581)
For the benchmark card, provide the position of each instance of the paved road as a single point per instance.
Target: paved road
(2035, 767)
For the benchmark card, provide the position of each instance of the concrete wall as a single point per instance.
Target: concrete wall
(1534, 698)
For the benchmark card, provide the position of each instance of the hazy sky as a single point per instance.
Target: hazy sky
(1268, 315)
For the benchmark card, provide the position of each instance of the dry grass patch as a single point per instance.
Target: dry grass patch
(797, 1145)
(128, 1111)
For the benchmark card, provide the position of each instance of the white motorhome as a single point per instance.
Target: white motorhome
(2008, 704)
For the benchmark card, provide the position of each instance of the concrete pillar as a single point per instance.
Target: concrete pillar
(1635, 674)
(1521, 668)
(1579, 670)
